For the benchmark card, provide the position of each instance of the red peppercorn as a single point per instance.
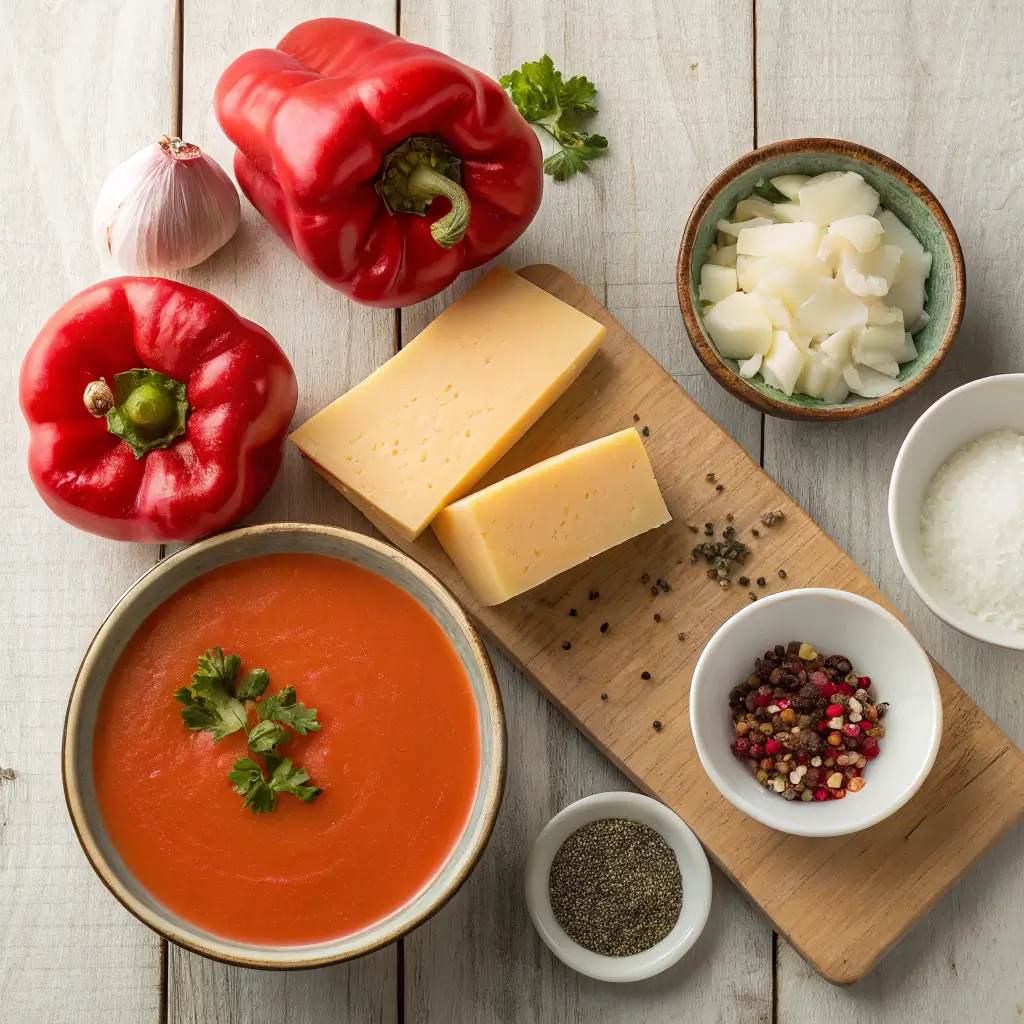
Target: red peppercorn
(850, 729)
(846, 689)
(741, 746)
(821, 793)
(869, 748)
(822, 726)
(819, 679)
(756, 751)
(865, 725)
(864, 682)
(782, 704)
(834, 710)
(838, 794)
(763, 701)
(829, 690)
(774, 746)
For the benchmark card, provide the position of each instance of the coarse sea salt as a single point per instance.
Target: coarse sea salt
(972, 527)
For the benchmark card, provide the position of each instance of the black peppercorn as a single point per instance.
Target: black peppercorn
(566, 645)
(709, 528)
(761, 581)
(782, 574)
(657, 726)
(572, 611)
(681, 636)
(604, 627)
(645, 675)
(752, 596)
(636, 417)
(744, 581)
(604, 696)
(756, 532)
(593, 595)
(729, 517)
(719, 488)
(710, 478)
(657, 617)
(646, 431)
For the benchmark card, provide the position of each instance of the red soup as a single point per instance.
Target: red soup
(397, 755)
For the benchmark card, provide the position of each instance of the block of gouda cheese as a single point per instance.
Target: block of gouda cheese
(529, 527)
(424, 428)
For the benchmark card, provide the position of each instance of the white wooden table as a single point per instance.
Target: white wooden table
(685, 87)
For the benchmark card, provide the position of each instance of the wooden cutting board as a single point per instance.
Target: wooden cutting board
(901, 866)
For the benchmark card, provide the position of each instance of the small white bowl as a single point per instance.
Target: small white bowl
(879, 646)
(693, 865)
(962, 416)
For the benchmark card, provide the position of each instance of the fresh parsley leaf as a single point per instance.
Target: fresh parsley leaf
(247, 781)
(285, 778)
(255, 682)
(282, 707)
(559, 108)
(265, 736)
(209, 704)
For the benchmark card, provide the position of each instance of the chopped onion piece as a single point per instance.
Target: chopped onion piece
(790, 184)
(797, 242)
(909, 350)
(838, 347)
(868, 383)
(824, 200)
(794, 285)
(830, 309)
(728, 228)
(788, 212)
(861, 231)
(748, 367)
(716, 283)
(738, 327)
(782, 365)
(870, 273)
(723, 256)
(754, 207)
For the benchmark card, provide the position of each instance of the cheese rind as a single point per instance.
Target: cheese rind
(523, 530)
(422, 430)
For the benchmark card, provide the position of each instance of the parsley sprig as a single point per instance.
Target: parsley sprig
(214, 704)
(559, 108)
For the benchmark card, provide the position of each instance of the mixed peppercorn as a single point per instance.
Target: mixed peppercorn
(807, 724)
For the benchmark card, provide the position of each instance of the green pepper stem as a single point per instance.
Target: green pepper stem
(145, 408)
(426, 183)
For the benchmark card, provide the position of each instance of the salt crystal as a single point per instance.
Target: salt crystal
(972, 528)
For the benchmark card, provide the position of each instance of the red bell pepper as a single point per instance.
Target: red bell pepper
(156, 413)
(387, 167)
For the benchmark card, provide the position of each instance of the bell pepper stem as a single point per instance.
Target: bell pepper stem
(426, 183)
(145, 408)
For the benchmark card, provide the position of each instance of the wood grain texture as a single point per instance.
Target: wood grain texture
(333, 344)
(617, 228)
(940, 91)
(68, 951)
(975, 791)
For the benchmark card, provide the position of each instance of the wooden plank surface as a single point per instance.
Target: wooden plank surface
(618, 229)
(68, 952)
(333, 344)
(939, 89)
(975, 791)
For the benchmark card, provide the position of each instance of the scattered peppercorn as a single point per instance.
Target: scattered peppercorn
(566, 645)
(680, 636)
(710, 478)
(709, 529)
(719, 488)
(604, 627)
(782, 574)
(756, 532)
(752, 596)
(593, 595)
(636, 417)
(572, 612)
(692, 527)
(665, 587)
(654, 591)
(761, 581)
(729, 517)
(645, 579)
(772, 517)
(729, 532)
(604, 696)
(645, 675)
(646, 431)
(657, 725)
(724, 584)
(657, 617)
(744, 581)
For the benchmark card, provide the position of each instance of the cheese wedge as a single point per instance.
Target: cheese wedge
(422, 430)
(529, 527)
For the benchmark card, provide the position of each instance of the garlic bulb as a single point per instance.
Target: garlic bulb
(167, 208)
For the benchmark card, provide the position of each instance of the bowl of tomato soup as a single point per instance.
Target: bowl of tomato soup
(318, 797)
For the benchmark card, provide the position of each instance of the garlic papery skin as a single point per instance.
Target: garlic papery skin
(167, 208)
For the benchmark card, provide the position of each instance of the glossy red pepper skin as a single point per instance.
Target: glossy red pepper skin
(312, 120)
(241, 392)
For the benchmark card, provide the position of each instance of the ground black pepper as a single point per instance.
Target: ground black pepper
(615, 887)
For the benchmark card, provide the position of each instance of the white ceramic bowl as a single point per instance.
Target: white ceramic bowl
(962, 416)
(156, 586)
(693, 865)
(879, 646)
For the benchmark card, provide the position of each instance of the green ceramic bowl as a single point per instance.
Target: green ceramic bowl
(900, 192)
